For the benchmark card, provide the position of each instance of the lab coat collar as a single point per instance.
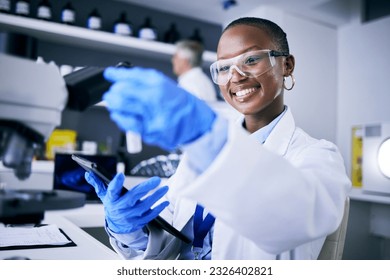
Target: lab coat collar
(280, 137)
(186, 206)
(187, 210)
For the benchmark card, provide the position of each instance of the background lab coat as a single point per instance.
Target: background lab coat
(277, 200)
(199, 84)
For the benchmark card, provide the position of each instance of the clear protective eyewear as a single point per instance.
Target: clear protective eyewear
(250, 64)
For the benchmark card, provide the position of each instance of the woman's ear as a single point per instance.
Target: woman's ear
(289, 65)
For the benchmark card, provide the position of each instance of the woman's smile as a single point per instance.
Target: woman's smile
(244, 94)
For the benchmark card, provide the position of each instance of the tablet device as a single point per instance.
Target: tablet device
(106, 177)
(68, 175)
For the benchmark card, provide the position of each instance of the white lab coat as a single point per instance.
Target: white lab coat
(273, 201)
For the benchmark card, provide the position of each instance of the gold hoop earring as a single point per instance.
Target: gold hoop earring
(292, 82)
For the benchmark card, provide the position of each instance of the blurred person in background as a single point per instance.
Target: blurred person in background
(187, 62)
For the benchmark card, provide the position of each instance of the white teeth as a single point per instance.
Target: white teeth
(245, 92)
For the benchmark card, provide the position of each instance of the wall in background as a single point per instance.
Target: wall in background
(363, 88)
(363, 98)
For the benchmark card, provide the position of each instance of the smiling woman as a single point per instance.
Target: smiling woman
(254, 89)
(226, 165)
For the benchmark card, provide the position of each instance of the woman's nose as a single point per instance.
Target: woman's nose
(236, 73)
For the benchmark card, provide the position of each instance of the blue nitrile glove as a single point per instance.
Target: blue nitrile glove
(130, 211)
(147, 102)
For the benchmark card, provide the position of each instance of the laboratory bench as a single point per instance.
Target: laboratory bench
(75, 224)
(368, 232)
(83, 225)
(359, 194)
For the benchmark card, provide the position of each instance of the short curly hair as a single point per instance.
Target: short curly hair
(274, 31)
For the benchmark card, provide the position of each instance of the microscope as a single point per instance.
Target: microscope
(32, 98)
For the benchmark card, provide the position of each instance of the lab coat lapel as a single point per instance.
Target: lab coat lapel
(184, 208)
(280, 137)
(187, 210)
(278, 141)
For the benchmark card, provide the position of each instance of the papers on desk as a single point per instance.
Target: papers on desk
(33, 237)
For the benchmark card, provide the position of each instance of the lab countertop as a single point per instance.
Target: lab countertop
(92, 215)
(368, 196)
(71, 221)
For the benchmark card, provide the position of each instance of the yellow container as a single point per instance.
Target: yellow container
(61, 140)
(357, 156)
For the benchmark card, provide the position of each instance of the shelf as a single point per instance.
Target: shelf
(367, 196)
(92, 39)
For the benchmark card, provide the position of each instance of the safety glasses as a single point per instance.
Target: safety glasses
(250, 64)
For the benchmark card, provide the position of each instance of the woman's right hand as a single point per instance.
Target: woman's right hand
(132, 210)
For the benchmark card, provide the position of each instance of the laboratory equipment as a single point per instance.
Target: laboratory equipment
(68, 14)
(5, 6)
(22, 8)
(27, 116)
(32, 98)
(147, 31)
(44, 10)
(122, 26)
(376, 158)
(161, 165)
(29, 206)
(94, 20)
